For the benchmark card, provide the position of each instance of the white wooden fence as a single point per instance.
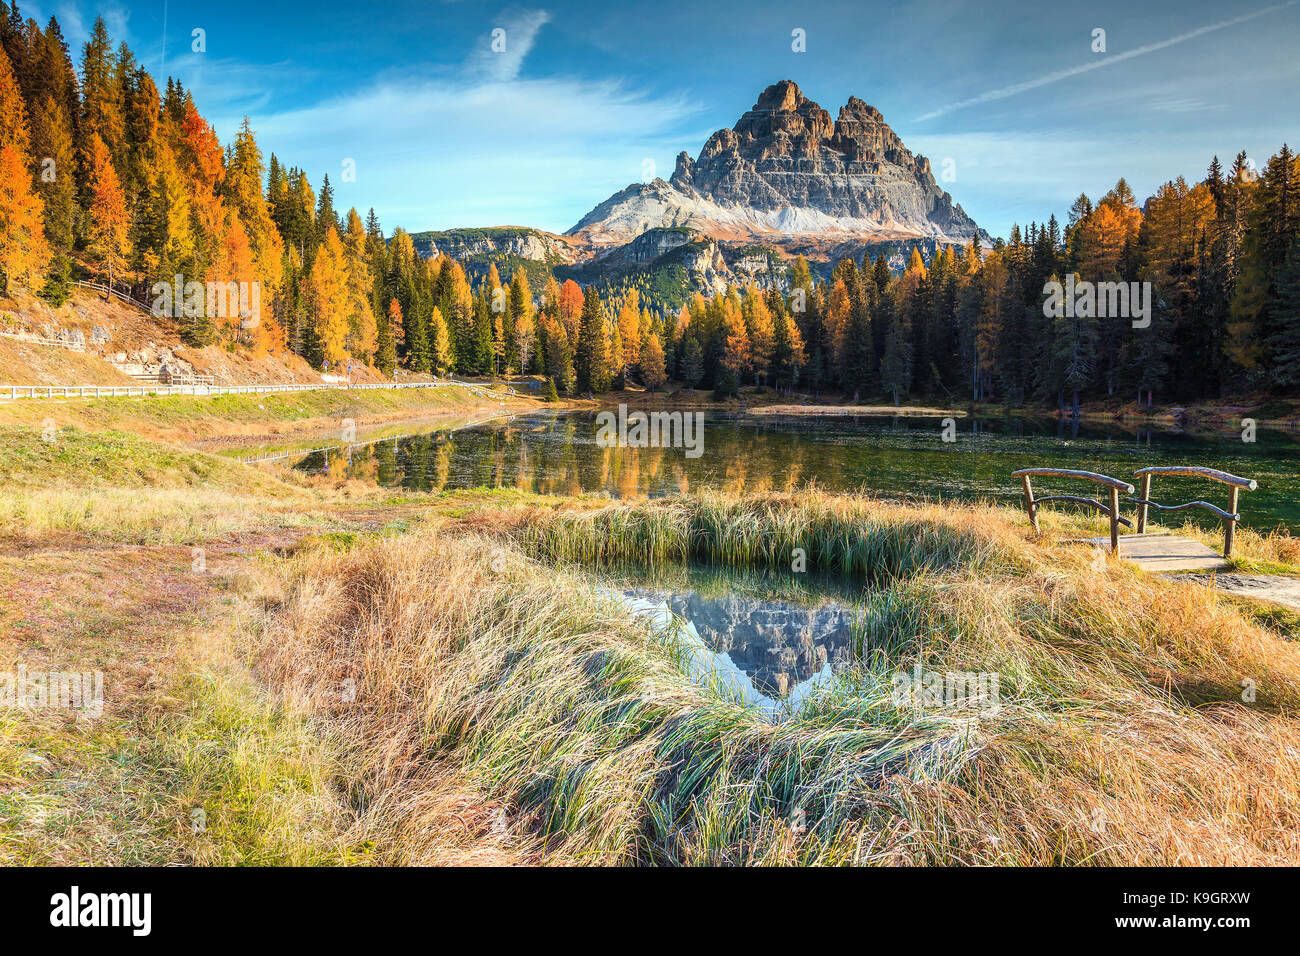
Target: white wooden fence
(128, 391)
(42, 340)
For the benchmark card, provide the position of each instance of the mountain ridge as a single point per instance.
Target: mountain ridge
(786, 170)
(786, 181)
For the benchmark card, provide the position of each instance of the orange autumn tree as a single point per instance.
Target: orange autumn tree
(242, 191)
(23, 249)
(363, 331)
(762, 333)
(236, 263)
(629, 330)
(199, 155)
(837, 326)
(14, 130)
(571, 299)
(108, 222)
(1101, 236)
(680, 325)
(24, 252)
(736, 355)
(653, 372)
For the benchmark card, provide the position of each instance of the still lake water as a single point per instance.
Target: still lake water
(557, 453)
(779, 630)
(785, 635)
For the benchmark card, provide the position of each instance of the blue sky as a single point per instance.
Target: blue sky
(444, 132)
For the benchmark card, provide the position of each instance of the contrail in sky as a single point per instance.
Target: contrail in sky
(1097, 64)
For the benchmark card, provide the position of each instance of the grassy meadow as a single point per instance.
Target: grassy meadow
(316, 671)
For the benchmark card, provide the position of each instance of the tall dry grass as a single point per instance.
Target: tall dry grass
(846, 534)
(572, 735)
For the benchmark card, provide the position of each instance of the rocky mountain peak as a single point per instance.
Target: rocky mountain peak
(786, 169)
(785, 95)
(855, 110)
(782, 113)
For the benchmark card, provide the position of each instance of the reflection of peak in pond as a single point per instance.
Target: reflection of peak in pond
(778, 644)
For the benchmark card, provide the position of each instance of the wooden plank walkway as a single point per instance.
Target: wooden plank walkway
(1164, 552)
(1158, 551)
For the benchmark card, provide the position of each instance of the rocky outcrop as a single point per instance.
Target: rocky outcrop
(699, 262)
(787, 169)
(653, 243)
(499, 242)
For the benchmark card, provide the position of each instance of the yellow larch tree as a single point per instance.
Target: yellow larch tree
(439, 342)
(629, 330)
(653, 373)
(14, 130)
(363, 330)
(761, 331)
(329, 299)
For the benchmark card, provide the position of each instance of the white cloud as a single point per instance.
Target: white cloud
(500, 55)
(473, 145)
(227, 88)
(436, 153)
(1102, 60)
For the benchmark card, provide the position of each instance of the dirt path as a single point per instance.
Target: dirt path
(1274, 588)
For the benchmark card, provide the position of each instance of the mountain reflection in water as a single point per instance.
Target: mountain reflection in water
(778, 644)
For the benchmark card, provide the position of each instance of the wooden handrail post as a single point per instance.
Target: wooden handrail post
(1230, 524)
(1235, 485)
(1145, 495)
(1029, 502)
(1114, 521)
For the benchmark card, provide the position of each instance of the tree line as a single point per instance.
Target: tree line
(102, 173)
(1222, 258)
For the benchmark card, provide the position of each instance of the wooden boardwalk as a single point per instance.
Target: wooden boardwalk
(1152, 551)
(1164, 552)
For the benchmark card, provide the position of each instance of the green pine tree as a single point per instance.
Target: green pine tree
(1285, 342)
(896, 365)
(592, 365)
(58, 282)
(692, 361)
(385, 353)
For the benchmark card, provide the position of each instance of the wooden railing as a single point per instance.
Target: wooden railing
(43, 340)
(169, 377)
(1230, 517)
(121, 296)
(1113, 485)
